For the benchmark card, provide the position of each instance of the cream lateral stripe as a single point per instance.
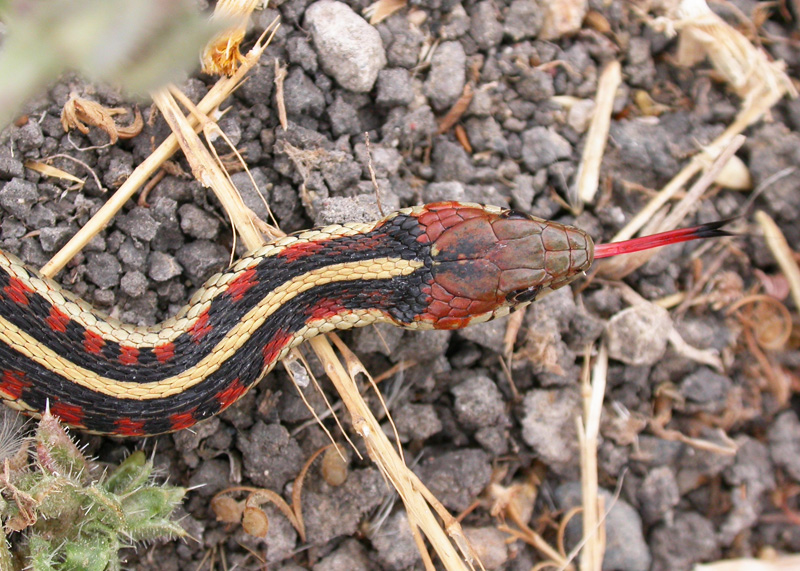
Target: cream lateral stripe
(110, 329)
(23, 343)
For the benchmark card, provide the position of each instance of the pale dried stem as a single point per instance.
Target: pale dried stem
(593, 393)
(280, 77)
(597, 136)
(775, 563)
(782, 253)
(207, 170)
(385, 456)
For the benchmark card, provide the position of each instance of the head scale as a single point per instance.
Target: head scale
(489, 261)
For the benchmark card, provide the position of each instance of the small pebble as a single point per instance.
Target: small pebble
(638, 335)
(18, 196)
(478, 402)
(348, 48)
(625, 547)
(548, 426)
(103, 270)
(542, 146)
(198, 223)
(447, 75)
(456, 478)
(163, 267)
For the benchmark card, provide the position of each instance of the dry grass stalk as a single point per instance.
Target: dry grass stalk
(593, 393)
(745, 68)
(221, 55)
(413, 493)
(782, 252)
(207, 170)
(589, 168)
(760, 82)
(280, 77)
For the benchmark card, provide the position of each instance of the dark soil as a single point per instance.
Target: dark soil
(456, 412)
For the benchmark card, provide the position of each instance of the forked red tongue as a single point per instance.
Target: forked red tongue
(710, 230)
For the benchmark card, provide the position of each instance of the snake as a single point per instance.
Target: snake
(443, 265)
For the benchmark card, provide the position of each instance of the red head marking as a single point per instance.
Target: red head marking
(484, 261)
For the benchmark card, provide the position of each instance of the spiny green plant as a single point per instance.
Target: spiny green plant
(59, 516)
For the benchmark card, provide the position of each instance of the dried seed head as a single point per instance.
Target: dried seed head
(255, 521)
(227, 509)
(334, 468)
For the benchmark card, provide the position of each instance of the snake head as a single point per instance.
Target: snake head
(487, 261)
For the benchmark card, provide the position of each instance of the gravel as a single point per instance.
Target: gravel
(394, 543)
(638, 335)
(468, 415)
(456, 477)
(784, 443)
(478, 402)
(542, 147)
(18, 196)
(548, 426)
(690, 539)
(447, 76)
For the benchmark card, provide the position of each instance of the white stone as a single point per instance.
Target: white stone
(348, 48)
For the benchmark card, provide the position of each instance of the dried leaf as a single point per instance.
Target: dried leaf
(49, 170)
(77, 112)
(378, 11)
(747, 69)
(255, 521)
(562, 18)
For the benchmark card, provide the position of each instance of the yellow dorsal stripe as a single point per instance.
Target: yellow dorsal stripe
(379, 268)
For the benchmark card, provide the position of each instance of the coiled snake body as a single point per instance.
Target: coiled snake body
(439, 266)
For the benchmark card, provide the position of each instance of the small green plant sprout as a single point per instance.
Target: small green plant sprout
(58, 516)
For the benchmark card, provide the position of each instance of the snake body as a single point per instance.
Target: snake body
(438, 266)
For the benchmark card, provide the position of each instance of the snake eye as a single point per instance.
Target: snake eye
(512, 214)
(526, 295)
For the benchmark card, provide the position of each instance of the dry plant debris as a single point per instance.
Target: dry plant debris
(78, 112)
